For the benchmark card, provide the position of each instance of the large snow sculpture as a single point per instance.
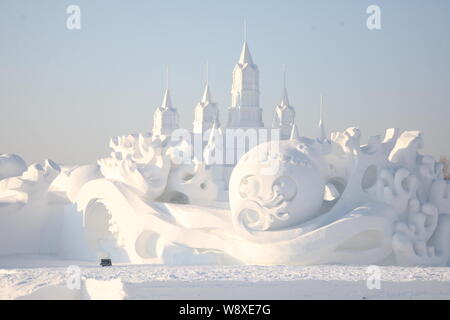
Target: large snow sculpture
(388, 211)
(303, 202)
(30, 215)
(306, 202)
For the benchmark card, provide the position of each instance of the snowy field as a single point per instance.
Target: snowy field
(37, 277)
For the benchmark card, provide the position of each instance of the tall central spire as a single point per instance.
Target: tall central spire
(245, 56)
(244, 111)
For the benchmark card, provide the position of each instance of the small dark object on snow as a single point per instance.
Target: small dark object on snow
(105, 262)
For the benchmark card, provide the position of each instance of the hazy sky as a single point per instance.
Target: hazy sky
(64, 93)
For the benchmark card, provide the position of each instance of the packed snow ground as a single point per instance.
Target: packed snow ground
(40, 277)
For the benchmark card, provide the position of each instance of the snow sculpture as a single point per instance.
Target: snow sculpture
(33, 184)
(165, 118)
(158, 168)
(30, 216)
(206, 113)
(284, 117)
(392, 208)
(80, 176)
(307, 202)
(421, 235)
(292, 195)
(245, 111)
(11, 165)
(189, 181)
(139, 163)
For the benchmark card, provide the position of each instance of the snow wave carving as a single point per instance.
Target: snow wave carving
(137, 162)
(150, 167)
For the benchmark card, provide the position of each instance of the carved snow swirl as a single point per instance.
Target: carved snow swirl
(258, 212)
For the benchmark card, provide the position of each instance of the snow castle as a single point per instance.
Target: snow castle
(244, 128)
(268, 200)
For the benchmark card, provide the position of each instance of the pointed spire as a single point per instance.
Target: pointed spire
(245, 57)
(294, 133)
(322, 134)
(245, 30)
(167, 101)
(285, 99)
(206, 95)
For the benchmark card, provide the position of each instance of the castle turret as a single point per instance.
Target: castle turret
(284, 117)
(245, 111)
(206, 113)
(165, 118)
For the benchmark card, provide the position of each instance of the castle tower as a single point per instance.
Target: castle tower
(165, 118)
(284, 118)
(245, 111)
(206, 113)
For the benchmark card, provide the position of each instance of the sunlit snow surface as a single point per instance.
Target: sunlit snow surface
(45, 278)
